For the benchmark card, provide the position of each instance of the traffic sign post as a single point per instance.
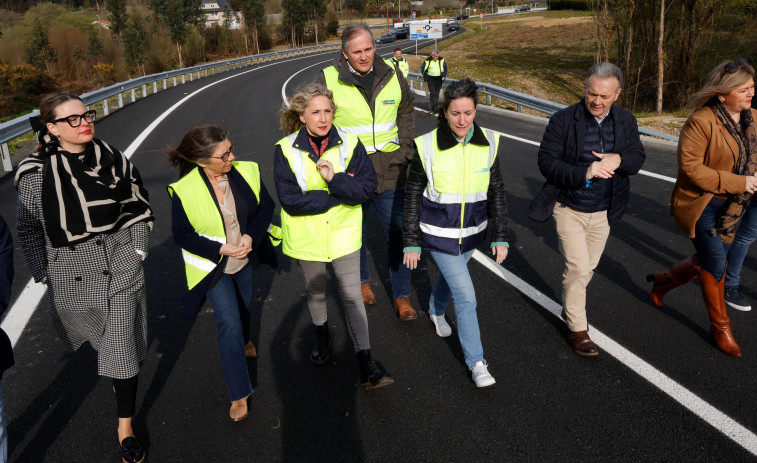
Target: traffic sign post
(481, 18)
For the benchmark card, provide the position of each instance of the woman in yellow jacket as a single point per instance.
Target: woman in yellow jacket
(322, 176)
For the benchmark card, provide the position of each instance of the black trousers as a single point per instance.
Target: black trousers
(434, 87)
(126, 396)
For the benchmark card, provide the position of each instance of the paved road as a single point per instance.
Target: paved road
(548, 405)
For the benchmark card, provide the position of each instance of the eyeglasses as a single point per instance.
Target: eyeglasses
(734, 66)
(225, 156)
(74, 120)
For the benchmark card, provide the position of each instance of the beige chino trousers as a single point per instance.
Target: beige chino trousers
(582, 236)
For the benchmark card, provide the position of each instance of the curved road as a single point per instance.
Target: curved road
(658, 391)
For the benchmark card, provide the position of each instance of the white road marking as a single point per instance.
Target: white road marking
(711, 415)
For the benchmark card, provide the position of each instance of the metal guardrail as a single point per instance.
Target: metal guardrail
(523, 100)
(20, 125)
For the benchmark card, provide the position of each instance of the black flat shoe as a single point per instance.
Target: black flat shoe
(132, 451)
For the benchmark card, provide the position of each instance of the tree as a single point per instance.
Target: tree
(133, 40)
(315, 10)
(94, 45)
(37, 50)
(118, 17)
(179, 16)
(358, 6)
(295, 17)
(253, 13)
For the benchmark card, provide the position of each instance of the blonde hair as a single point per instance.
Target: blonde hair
(719, 82)
(295, 106)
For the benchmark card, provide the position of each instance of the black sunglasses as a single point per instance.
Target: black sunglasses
(734, 66)
(74, 120)
(225, 156)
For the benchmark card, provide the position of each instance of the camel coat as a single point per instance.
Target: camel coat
(707, 154)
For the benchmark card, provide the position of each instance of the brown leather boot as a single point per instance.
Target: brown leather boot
(713, 293)
(679, 274)
(405, 311)
(368, 297)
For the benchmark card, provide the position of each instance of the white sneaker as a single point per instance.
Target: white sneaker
(481, 375)
(442, 328)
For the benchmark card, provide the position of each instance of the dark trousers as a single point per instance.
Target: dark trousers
(434, 87)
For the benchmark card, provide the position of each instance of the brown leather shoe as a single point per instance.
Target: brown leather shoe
(238, 410)
(368, 297)
(249, 350)
(404, 309)
(582, 344)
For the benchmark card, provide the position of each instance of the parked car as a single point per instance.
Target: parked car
(522, 9)
(451, 20)
(402, 32)
(390, 36)
(462, 16)
(453, 26)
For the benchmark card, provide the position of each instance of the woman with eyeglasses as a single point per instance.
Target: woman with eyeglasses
(221, 210)
(83, 221)
(323, 175)
(717, 155)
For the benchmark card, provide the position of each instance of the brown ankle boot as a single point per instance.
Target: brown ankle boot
(713, 292)
(679, 274)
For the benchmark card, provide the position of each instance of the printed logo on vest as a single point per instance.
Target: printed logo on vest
(483, 170)
(390, 102)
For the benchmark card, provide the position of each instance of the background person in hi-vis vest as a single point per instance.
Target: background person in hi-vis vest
(220, 212)
(434, 71)
(400, 61)
(322, 176)
(375, 103)
(456, 173)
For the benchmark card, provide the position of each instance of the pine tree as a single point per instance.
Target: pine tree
(118, 17)
(37, 50)
(133, 38)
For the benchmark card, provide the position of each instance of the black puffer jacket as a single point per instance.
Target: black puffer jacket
(417, 181)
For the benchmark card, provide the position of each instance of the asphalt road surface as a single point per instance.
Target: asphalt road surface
(659, 390)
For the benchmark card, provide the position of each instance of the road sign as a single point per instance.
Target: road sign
(481, 16)
(413, 14)
(426, 31)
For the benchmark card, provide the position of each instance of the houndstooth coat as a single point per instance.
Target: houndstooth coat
(96, 289)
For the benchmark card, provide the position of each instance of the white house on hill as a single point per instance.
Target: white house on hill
(215, 14)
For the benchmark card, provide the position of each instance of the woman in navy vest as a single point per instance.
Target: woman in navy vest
(433, 218)
(206, 152)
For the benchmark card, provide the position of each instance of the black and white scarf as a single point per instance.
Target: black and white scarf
(85, 194)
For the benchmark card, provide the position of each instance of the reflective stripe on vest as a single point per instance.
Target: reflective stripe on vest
(434, 68)
(204, 216)
(458, 178)
(377, 129)
(329, 235)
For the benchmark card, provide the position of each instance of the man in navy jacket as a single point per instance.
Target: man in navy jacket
(587, 154)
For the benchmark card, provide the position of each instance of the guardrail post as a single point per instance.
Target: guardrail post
(206, 73)
(7, 165)
(120, 100)
(133, 96)
(191, 76)
(105, 107)
(154, 88)
(489, 100)
(144, 90)
(519, 108)
(164, 84)
(182, 79)
(226, 66)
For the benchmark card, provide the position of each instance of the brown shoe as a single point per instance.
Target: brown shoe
(582, 344)
(238, 410)
(368, 297)
(249, 350)
(404, 309)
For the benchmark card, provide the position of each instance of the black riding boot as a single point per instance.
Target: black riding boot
(322, 345)
(371, 376)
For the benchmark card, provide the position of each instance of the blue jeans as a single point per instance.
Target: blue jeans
(230, 299)
(389, 207)
(711, 251)
(455, 282)
(3, 430)
(746, 234)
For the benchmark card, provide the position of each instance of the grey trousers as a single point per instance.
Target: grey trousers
(347, 270)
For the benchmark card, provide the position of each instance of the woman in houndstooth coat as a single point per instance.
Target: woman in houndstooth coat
(84, 221)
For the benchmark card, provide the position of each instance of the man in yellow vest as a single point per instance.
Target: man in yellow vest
(375, 103)
(434, 70)
(399, 61)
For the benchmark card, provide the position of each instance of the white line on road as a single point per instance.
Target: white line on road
(711, 415)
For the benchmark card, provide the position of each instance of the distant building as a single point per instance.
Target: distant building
(215, 14)
(102, 23)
